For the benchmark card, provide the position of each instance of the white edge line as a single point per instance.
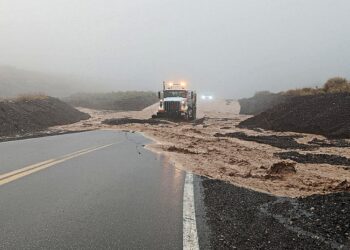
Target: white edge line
(190, 236)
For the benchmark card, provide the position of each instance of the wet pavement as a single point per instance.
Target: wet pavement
(119, 197)
(123, 196)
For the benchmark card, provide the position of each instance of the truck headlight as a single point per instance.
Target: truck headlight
(183, 106)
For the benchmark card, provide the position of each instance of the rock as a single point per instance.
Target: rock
(282, 168)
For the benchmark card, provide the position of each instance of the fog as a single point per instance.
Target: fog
(228, 48)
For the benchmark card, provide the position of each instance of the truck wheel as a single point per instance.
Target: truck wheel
(188, 115)
(194, 114)
(191, 114)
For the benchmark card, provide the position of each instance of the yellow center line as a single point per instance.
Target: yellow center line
(20, 173)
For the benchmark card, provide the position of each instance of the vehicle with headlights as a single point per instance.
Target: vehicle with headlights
(207, 97)
(176, 101)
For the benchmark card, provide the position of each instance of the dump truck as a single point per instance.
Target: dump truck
(176, 101)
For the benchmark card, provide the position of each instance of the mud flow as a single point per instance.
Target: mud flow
(216, 146)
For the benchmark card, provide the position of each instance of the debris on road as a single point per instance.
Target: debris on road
(284, 142)
(180, 150)
(196, 147)
(282, 168)
(339, 143)
(315, 158)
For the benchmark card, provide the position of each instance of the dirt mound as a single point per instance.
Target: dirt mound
(29, 115)
(282, 168)
(325, 114)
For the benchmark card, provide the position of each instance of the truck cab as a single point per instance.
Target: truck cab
(176, 101)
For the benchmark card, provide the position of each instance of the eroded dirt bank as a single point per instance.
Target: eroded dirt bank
(34, 113)
(325, 114)
(249, 158)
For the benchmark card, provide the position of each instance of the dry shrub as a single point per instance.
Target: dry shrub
(262, 93)
(304, 91)
(333, 85)
(337, 85)
(30, 97)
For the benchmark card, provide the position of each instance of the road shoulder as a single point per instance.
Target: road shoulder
(238, 219)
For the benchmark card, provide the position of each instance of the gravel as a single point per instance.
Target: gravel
(324, 217)
(240, 218)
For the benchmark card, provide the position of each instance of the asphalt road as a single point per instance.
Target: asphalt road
(103, 190)
(113, 195)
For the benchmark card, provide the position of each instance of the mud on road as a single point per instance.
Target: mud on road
(265, 185)
(315, 158)
(283, 141)
(214, 146)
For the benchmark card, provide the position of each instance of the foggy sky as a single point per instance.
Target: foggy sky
(230, 48)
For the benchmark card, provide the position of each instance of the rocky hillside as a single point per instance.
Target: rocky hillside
(34, 113)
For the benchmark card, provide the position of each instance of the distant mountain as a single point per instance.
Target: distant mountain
(15, 81)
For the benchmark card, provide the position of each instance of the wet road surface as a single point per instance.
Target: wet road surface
(103, 190)
(117, 197)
